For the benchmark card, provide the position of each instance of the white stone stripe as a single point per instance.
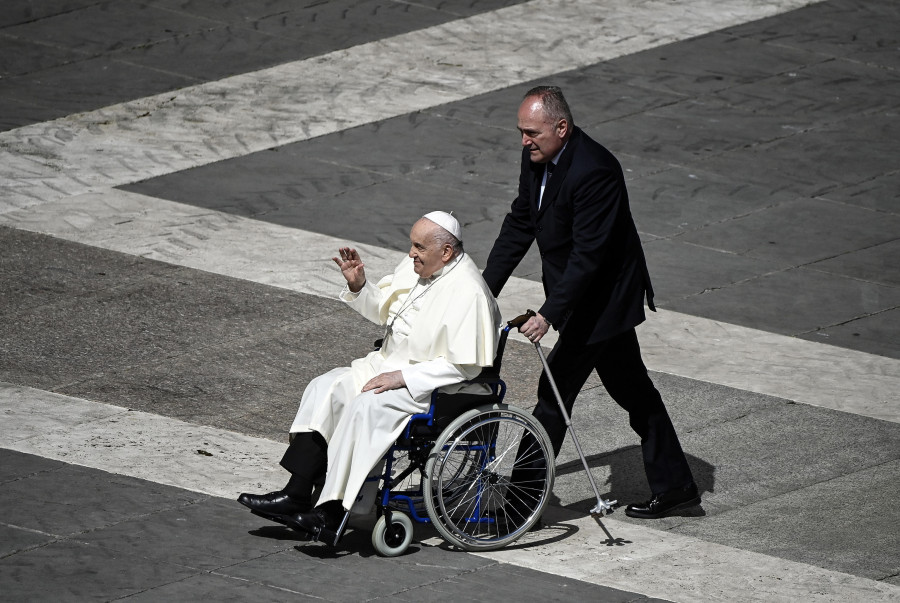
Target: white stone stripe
(296, 101)
(652, 562)
(689, 346)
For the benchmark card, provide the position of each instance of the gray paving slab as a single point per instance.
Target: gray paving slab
(800, 231)
(874, 334)
(161, 315)
(106, 26)
(794, 302)
(817, 93)
(67, 570)
(881, 193)
(84, 85)
(351, 11)
(814, 162)
(26, 465)
(40, 270)
(203, 587)
(676, 200)
(730, 58)
(21, 56)
(874, 264)
(683, 270)
(217, 51)
(858, 29)
(795, 525)
(74, 500)
(689, 131)
(408, 144)
(252, 384)
(23, 11)
(14, 539)
(350, 22)
(389, 217)
(17, 113)
(208, 536)
(805, 444)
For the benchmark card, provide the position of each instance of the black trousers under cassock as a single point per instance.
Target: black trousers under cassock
(618, 363)
(307, 460)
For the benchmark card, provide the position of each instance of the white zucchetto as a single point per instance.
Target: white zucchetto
(447, 222)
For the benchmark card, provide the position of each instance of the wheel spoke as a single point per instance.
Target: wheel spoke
(479, 494)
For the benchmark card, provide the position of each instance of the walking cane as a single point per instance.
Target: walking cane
(602, 506)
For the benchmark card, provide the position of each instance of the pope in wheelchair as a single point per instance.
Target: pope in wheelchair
(441, 330)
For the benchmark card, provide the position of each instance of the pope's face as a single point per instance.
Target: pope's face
(428, 255)
(542, 136)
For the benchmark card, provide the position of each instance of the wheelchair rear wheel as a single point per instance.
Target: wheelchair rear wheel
(488, 477)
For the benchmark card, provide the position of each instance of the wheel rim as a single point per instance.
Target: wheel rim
(395, 535)
(469, 483)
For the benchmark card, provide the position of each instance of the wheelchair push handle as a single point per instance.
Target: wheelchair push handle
(520, 320)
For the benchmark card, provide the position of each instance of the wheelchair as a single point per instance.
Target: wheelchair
(478, 469)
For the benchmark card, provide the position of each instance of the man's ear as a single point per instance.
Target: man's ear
(447, 253)
(562, 128)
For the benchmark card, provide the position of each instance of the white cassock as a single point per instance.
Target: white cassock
(443, 330)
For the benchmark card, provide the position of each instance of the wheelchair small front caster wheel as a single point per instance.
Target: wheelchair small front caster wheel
(394, 541)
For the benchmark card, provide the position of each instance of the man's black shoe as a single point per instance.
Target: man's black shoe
(665, 503)
(322, 522)
(272, 505)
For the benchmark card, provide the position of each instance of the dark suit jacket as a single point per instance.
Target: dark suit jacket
(594, 272)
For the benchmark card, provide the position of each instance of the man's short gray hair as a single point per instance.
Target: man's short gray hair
(554, 103)
(443, 237)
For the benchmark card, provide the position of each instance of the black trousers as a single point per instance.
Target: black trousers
(307, 460)
(619, 365)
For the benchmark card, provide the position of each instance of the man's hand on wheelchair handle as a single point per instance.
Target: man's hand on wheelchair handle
(385, 381)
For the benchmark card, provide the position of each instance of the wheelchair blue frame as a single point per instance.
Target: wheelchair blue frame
(411, 500)
(415, 447)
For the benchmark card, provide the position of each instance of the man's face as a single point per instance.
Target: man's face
(428, 255)
(541, 135)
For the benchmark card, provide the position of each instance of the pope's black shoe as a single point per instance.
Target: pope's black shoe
(665, 503)
(322, 523)
(273, 505)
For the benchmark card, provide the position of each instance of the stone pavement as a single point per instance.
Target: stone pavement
(175, 175)
(111, 537)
